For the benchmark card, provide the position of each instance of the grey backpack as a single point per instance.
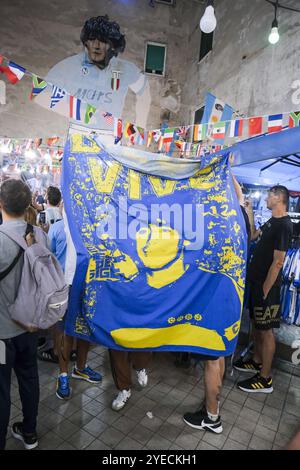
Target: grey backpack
(42, 297)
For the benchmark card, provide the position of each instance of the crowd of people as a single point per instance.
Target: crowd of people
(20, 209)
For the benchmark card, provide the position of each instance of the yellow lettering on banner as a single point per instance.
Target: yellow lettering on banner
(134, 179)
(162, 187)
(177, 335)
(81, 143)
(104, 175)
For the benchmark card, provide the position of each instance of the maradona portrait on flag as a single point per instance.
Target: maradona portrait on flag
(160, 255)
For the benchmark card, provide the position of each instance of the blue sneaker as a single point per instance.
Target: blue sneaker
(63, 389)
(87, 374)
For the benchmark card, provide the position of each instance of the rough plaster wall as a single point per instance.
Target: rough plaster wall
(243, 68)
(38, 33)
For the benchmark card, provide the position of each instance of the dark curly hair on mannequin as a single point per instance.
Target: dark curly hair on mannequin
(99, 27)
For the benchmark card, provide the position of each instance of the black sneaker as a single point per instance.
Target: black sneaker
(48, 356)
(30, 441)
(200, 420)
(256, 384)
(248, 366)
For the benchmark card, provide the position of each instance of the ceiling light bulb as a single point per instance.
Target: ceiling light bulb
(274, 35)
(208, 21)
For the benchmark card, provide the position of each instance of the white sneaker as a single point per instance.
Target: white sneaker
(121, 400)
(142, 377)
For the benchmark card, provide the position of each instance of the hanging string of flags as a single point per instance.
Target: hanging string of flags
(189, 141)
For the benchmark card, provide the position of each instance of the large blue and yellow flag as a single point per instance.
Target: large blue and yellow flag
(160, 259)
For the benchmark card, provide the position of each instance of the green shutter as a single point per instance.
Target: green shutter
(155, 59)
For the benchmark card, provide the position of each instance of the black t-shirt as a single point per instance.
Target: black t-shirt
(276, 235)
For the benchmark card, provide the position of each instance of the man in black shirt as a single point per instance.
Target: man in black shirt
(264, 276)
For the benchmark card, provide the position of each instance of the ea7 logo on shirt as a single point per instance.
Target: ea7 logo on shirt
(2, 353)
(266, 314)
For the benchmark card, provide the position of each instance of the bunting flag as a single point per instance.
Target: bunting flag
(129, 130)
(236, 128)
(89, 113)
(216, 111)
(118, 130)
(200, 131)
(294, 119)
(13, 72)
(108, 118)
(168, 135)
(57, 95)
(255, 126)
(140, 136)
(52, 141)
(219, 130)
(38, 85)
(149, 138)
(275, 123)
(75, 108)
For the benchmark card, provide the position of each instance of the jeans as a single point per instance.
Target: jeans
(21, 356)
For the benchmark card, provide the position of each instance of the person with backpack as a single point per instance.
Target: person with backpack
(26, 267)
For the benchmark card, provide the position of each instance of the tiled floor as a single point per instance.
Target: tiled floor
(86, 421)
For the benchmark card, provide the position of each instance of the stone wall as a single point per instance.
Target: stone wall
(38, 33)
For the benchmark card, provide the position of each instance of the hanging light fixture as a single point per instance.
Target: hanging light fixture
(274, 35)
(208, 21)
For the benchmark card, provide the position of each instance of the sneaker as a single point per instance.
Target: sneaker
(48, 356)
(142, 377)
(30, 441)
(248, 366)
(87, 374)
(63, 389)
(200, 420)
(256, 384)
(121, 400)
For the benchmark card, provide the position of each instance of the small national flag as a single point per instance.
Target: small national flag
(13, 72)
(38, 142)
(115, 81)
(130, 130)
(219, 130)
(38, 85)
(275, 123)
(236, 128)
(294, 120)
(52, 141)
(255, 126)
(57, 95)
(75, 105)
(200, 131)
(118, 130)
(108, 118)
(168, 135)
(89, 113)
(149, 138)
(140, 137)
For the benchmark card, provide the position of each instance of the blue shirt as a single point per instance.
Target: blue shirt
(58, 241)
